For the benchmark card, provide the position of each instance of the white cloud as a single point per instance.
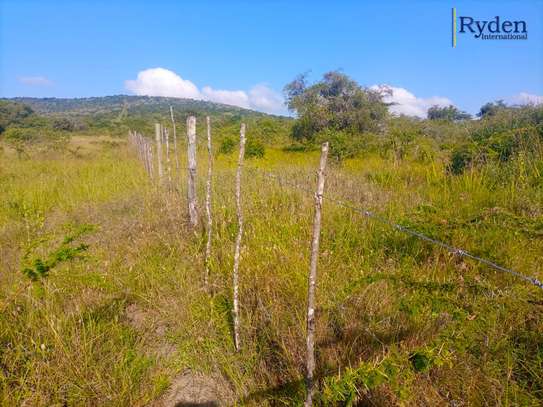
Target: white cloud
(524, 98)
(265, 99)
(228, 97)
(407, 103)
(163, 82)
(34, 80)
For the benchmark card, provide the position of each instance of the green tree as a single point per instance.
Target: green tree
(12, 113)
(63, 124)
(491, 108)
(447, 113)
(335, 102)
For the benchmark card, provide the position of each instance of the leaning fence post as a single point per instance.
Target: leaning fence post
(191, 185)
(238, 238)
(158, 138)
(310, 358)
(208, 202)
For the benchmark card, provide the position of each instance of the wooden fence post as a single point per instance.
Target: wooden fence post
(191, 186)
(168, 167)
(310, 358)
(238, 238)
(158, 139)
(143, 152)
(150, 159)
(175, 144)
(208, 203)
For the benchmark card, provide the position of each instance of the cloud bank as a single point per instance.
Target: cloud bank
(524, 98)
(404, 102)
(34, 80)
(163, 82)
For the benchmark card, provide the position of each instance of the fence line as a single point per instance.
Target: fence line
(143, 148)
(381, 219)
(369, 214)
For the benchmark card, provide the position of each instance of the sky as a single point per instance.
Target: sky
(244, 52)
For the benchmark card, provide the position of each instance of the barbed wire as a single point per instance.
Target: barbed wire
(369, 214)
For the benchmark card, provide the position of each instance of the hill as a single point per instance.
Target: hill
(115, 115)
(126, 104)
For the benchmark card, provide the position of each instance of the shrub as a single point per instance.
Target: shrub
(342, 144)
(254, 149)
(227, 145)
(13, 113)
(63, 124)
(16, 135)
(462, 157)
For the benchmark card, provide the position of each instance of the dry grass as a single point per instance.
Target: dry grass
(399, 322)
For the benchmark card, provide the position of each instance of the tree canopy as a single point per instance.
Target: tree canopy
(491, 108)
(12, 113)
(448, 113)
(335, 102)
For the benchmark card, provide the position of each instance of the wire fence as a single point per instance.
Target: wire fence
(381, 219)
(370, 214)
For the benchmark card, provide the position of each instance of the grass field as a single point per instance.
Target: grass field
(122, 310)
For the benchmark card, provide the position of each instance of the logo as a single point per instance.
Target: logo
(497, 28)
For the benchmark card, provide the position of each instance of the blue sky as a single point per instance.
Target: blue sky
(245, 52)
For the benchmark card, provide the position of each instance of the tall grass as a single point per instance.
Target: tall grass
(399, 321)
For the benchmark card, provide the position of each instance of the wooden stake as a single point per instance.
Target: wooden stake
(143, 152)
(168, 167)
(175, 143)
(238, 238)
(208, 203)
(150, 158)
(310, 361)
(158, 139)
(191, 136)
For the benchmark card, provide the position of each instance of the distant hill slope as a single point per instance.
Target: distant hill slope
(115, 115)
(124, 104)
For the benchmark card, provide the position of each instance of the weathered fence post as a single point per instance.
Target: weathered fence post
(191, 185)
(208, 203)
(158, 138)
(238, 238)
(168, 167)
(175, 144)
(143, 154)
(310, 358)
(150, 159)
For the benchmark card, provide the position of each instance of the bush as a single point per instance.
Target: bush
(298, 147)
(15, 135)
(227, 145)
(254, 149)
(462, 157)
(63, 124)
(13, 113)
(70, 124)
(342, 144)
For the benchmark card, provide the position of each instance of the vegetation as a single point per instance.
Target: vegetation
(335, 103)
(448, 113)
(13, 113)
(101, 280)
(491, 108)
